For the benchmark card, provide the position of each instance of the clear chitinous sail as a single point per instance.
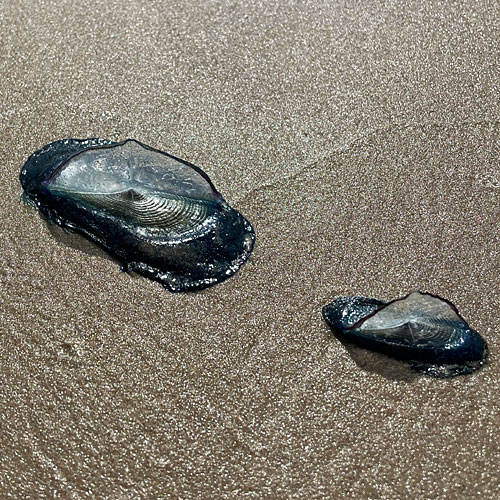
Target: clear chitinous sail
(156, 214)
(422, 328)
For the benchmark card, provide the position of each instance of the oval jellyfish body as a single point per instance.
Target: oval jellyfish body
(158, 215)
(420, 327)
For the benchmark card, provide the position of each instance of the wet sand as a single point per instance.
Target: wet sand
(362, 143)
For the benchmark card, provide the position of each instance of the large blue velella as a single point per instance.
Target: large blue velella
(158, 215)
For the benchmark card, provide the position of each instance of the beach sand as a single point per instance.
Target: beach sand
(362, 142)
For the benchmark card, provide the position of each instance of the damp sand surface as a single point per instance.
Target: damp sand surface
(362, 144)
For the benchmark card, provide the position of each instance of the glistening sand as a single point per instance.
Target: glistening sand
(362, 142)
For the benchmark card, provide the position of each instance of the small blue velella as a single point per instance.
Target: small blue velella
(422, 328)
(157, 214)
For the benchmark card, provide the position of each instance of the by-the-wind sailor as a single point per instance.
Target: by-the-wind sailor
(158, 215)
(422, 328)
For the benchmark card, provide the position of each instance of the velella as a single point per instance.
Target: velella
(156, 214)
(422, 328)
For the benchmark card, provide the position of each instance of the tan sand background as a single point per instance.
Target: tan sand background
(361, 139)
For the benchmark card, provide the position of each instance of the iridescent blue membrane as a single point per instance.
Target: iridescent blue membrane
(157, 214)
(422, 328)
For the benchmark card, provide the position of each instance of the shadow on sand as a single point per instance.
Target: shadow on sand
(376, 362)
(80, 243)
